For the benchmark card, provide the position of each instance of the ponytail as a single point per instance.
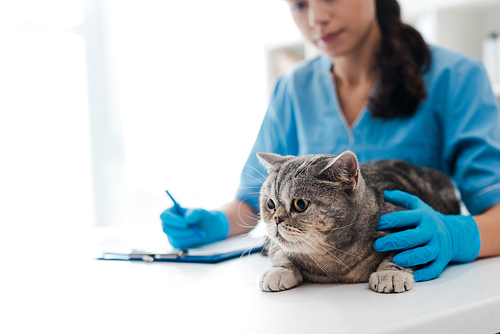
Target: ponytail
(403, 58)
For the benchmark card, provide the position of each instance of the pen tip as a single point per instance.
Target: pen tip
(173, 200)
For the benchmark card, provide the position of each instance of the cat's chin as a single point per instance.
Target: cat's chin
(285, 244)
(283, 240)
(287, 247)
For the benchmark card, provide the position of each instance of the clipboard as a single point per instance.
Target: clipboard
(182, 256)
(140, 243)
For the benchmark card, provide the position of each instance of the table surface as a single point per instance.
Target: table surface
(74, 293)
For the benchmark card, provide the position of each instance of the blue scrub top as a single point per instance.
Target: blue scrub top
(455, 130)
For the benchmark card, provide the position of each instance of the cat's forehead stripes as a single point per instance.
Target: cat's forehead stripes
(306, 164)
(284, 179)
(285, 191)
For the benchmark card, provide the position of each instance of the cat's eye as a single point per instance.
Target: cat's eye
(270, 204)
(300, 205)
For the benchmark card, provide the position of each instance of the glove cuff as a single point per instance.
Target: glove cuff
(465, 236)
(220, 229)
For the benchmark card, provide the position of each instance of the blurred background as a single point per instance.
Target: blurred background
(106, 104)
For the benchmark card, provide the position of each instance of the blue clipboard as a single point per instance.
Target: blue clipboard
(181, 256)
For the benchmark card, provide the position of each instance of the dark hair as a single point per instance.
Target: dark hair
(403, 58)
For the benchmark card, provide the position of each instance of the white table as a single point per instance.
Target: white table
(77, 294)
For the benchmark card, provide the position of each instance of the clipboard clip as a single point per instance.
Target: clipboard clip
(150, 257)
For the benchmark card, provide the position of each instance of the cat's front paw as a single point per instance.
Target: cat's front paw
(279, 279)
(391, 281)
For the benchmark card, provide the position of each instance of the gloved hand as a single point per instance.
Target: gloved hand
(439, 239)
(189, 228)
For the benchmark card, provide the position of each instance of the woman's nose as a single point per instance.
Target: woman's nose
(318, 15)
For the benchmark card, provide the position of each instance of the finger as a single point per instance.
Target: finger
(189, 237)
(403, 240)
(399, 219)
(172, 220)
(185, 242)
(194, 216)
(416, 256)
(176, 210)
(181, 244)
(402, 198)
(188, 233)
(432, 271)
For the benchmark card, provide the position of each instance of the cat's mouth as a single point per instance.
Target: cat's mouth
(280, 237)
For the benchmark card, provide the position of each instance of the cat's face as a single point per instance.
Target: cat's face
(305, 199)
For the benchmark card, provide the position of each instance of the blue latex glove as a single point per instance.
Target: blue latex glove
(189, 228)
(439, 239)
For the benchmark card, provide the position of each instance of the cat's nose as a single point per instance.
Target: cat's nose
(278, 220)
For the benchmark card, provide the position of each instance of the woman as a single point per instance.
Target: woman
(382, 92)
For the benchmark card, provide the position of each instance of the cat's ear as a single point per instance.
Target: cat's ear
(271, 160)
(343, 168)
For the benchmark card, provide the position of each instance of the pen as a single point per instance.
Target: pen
(177, 207)
(180, 211)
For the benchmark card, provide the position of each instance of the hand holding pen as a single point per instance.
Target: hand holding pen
(189, 228)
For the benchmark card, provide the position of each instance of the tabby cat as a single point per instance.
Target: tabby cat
(321, 213)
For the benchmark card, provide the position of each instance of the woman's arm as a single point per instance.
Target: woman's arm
(488, 224)
(241, 216)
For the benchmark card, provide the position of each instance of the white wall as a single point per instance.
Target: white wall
(189, 83)
(45, 177)
(100, 113)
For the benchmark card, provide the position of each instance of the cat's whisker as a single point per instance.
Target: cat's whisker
(336, 258)
(319, 266)
(250, 215)
(341, 227)
(247, 250)
(333, 228)
(337, 249)
(256, 171)
(244, 223)
(304, 251)
(253, 193)
(267, 240)
(253, 177)
(303, 259)
(339, 260)
(253, 218)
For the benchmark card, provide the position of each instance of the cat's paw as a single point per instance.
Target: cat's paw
(279, 279)
(391, 281)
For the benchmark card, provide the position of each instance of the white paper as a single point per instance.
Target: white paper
(151, 239)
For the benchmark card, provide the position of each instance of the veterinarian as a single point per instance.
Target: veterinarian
(379, 90)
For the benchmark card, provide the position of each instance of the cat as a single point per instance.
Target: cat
(321, 213)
